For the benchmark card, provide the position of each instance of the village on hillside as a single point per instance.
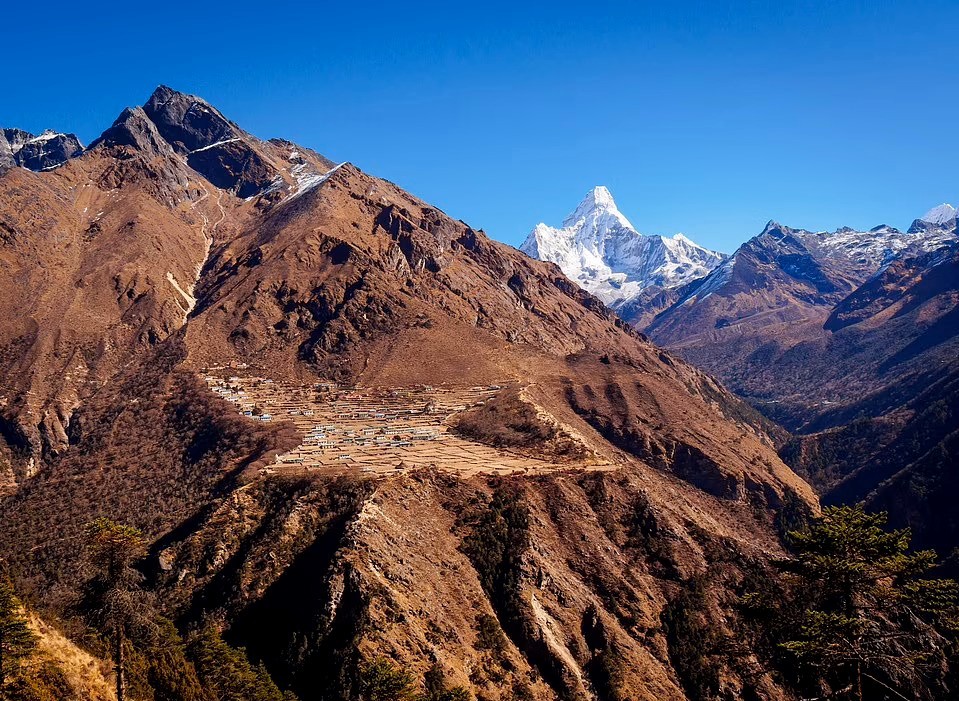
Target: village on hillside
(370, 430)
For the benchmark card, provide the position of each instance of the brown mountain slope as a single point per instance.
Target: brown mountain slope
(90, 255)
(773, 295)
(339, 285)
(851, 342)
(100, 258)
(355, 259)
(896, 341)
(386, 290)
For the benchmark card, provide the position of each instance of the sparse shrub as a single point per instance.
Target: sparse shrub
(607, 670)
(42, 680)
(523, 692)
(794, 515)
(17, 641)
(489, 634)
(437, 688)
(693, 641)
(381, 680)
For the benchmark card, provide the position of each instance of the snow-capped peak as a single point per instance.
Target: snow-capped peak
(47, 135)
(943, 214)
(598, 203)
(599, 249)
(598, 198)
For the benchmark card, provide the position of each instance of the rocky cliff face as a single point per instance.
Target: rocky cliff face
(43, 152)
(224, 154)
(177, 243)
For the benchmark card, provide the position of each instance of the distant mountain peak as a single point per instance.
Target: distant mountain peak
(164, 91)
(164, 94)
(941, 218)
(597, 203)
(187, 122)
(772, 225)
(47, 135)
(600, 249)
(45, 151)
(598, 198)
(939, 215)
(851, 256)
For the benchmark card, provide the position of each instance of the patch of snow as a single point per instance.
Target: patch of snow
(276, 184)
(714, 281)
(218, 143)
(303, 175)
(46, 136)
(306, 181)
(876, 248)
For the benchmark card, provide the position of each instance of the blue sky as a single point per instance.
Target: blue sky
(702, 117)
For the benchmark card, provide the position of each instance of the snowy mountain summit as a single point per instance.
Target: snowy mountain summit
(937, 219)
(601, 250)
(941, 215)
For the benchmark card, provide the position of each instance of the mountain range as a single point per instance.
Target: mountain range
(351, 427)
(848, 339)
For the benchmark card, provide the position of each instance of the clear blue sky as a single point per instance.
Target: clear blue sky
(707, 118)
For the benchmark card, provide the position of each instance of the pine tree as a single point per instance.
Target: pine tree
(380, 680)
(228, 674)
(871, 616)
(113, 599)
(17, 641)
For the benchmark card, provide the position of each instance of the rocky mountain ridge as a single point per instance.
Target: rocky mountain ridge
(37, 152)
(784, 284)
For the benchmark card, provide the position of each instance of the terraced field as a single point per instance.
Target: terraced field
(380, 431)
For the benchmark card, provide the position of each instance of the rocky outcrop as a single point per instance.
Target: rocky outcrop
(135, 129)
(44, 152)
(215, 147)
